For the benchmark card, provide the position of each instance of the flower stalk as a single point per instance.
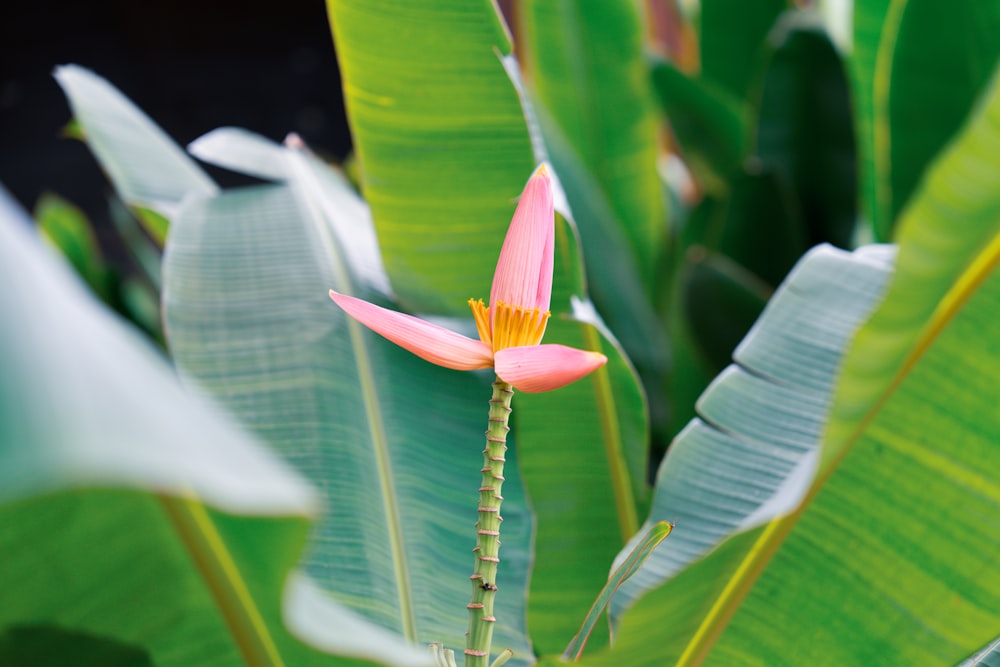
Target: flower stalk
(487, 551)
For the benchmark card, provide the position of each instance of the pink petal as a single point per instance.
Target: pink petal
(545, 367)
(428, 341)
(523, 275)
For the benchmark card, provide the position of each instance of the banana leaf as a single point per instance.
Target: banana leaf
(139, 524)
(880, 549)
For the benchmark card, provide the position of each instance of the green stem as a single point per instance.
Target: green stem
(484, 577)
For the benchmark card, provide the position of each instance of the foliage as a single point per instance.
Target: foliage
(306, 496)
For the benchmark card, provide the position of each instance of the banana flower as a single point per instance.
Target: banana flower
(511, 327)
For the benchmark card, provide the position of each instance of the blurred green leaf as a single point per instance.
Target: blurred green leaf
(147, 256)
(146, 166)
(613, 281)
(604, 151)
(585, 69)
(41, 644)
(721, 300)
(869, 17)
(142, 305)
(934, 61)
(804, 128)
(72, 130)
(69, 230)
(131, 512)
(759, 226)
(708, 121)
(155, 224)
(731, 40)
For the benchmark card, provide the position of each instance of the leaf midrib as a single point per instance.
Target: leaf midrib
(222, 576)
(373, 413)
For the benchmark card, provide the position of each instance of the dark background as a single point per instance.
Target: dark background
(190, 65)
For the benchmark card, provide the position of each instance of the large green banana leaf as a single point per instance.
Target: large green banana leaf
(941, 76)
(719, 471)
(444, 151)
(394, 442)
(887, 554)
(138, 524)
(440, 138)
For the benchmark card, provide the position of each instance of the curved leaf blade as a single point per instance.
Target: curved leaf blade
(873, 572)
(393, 441)
(719, 472)
(97, 474)
(869, 17)
(147, 167)
(636, 559)
(804, 129)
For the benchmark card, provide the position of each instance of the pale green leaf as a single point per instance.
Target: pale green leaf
(146, 166)
(132, 514)
(762, 417)
(394, 442)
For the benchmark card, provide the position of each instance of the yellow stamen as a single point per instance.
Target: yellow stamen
(482, 317)
(512, 326)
